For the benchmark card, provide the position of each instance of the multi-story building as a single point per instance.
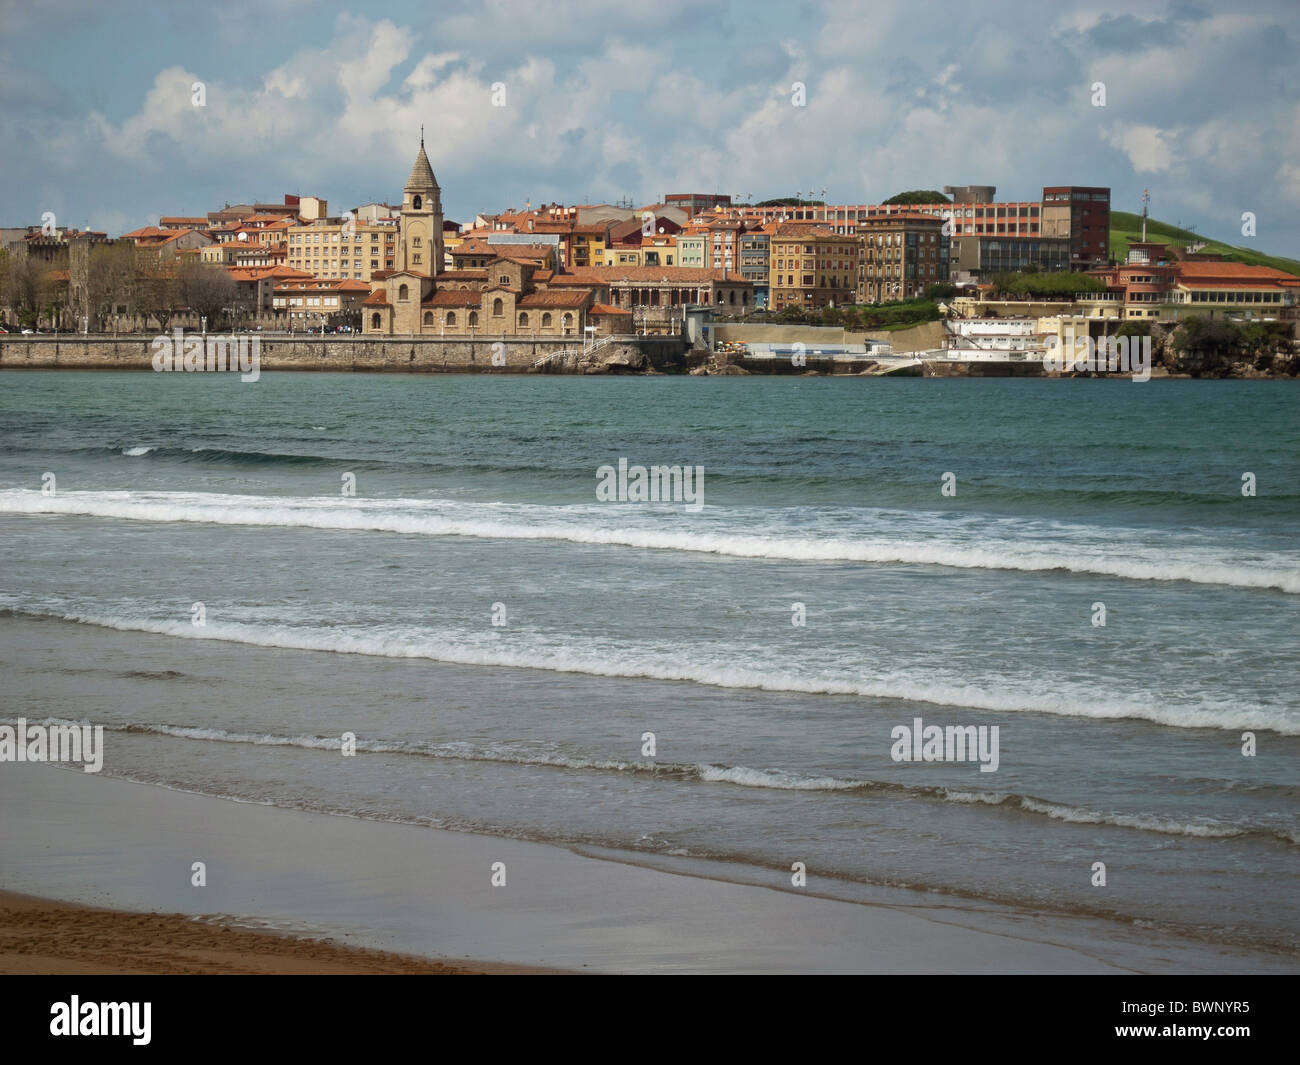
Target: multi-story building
(309, 304)
(1152, 283)
(691, 243)
(589, 242)
(755, 261)
(984, 256)
(694, 203)
(164, 244)
(811, 266)
(1081, 214)
(901, 255)
(345, 248)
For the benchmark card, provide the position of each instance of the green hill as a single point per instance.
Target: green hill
(1125, 227)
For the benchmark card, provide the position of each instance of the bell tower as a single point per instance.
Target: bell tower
(421, 235)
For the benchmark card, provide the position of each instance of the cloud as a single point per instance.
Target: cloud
(609, 101)
(1147, 147)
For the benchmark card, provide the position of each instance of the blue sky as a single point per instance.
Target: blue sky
(604, 101)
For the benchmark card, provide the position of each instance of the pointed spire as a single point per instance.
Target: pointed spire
(421, 179)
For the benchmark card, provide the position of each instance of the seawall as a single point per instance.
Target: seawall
(633, 354)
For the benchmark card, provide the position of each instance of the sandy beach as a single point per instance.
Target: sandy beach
(120, 845)
(46, 937)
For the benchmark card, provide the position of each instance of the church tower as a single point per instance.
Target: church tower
(421, 235)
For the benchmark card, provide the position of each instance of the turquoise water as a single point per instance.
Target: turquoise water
(475, 500)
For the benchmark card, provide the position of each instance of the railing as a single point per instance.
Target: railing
(559, 356)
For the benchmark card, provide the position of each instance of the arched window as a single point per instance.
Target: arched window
(374, 320)
(473, 318)
(428, 317)
(567, 322)
(733, 295)
(403, 292)
(546, 318)
(523, 318)
(416, 242)
(451, 317)
(498, 308)
(418, 202)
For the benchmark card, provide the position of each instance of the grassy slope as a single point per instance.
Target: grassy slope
(1125, 227)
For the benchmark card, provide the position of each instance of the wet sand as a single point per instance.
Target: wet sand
(120, 845)
(46, 937)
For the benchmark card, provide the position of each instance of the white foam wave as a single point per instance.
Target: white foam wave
(916, 687)
(741, 776)
(578, 525)
(135, 452)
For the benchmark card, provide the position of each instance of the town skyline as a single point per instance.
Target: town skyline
(650, 105)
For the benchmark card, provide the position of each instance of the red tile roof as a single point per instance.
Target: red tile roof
(569, 299)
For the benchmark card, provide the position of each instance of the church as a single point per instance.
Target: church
(511, 296)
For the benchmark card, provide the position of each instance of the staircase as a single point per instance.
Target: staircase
(544, 362)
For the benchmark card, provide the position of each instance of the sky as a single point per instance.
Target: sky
(601, 101)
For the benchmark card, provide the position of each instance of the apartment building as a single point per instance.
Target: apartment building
(811, 266)
(342, 248)
(1081, 215)
(901, 254)
(755, 262)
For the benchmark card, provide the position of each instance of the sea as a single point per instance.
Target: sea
(402, 598)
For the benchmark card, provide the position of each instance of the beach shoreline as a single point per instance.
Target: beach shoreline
(416, 893)
(44, 937)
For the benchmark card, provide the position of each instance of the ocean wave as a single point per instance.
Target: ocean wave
(456, 649)
(574, 525)
(709, 773)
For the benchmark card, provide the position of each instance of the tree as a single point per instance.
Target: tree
(156, 292)
(790, 201)
(940, 290)
(207, 290)
(27, 289)
(919, 196)
(110, 278)
(1055, 286)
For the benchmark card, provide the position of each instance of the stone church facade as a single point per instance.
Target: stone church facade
(512, 297)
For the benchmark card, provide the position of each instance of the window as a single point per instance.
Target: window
(416, 242)
(451, 317)
(417, 203)
(428, 317)
(374, 320)
(523, 318)
(403, 293)
(473, 318)
(504, 279)
(546, 318)
(498, 308)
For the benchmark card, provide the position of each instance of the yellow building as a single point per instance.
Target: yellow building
(339, 248)
(811, 266)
